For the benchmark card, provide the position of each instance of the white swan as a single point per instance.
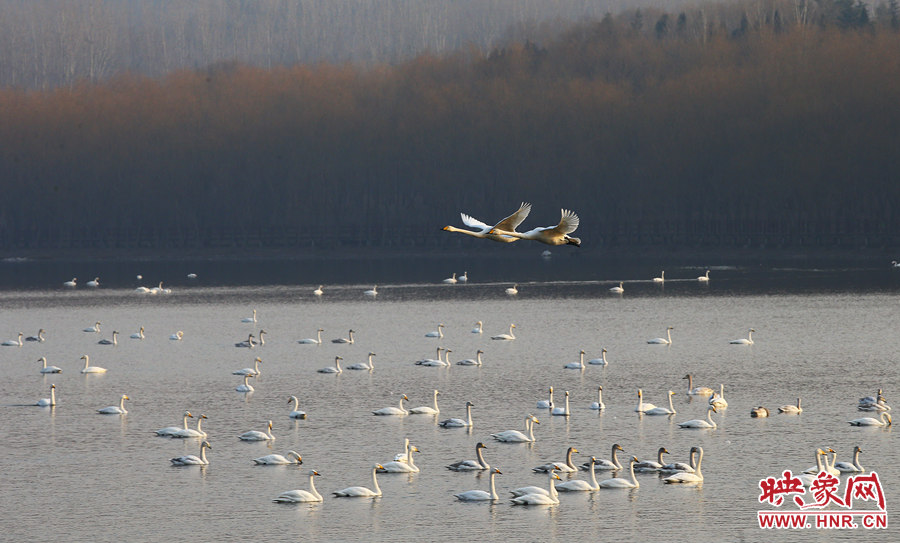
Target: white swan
(686, 477)
(513, 290)
(576, 365)
(254, 371)
(311, 341)
(562, 411)
(472, 465)
(579, 485)
(318, 291)
(622, 483)
(484, 231)
(300, 496)
(744, 341)
(701, 423)
(464, 278)
(619, 289)
(515, 436)
(191, 460)
(480, 495)
(704, 278)
(113, 341)
(48, 402)
(509, 336)
(254, 435)
(48, 369)
(94, 328)
(550, 235)
(39, 337)
(14, 342)
(641, 406)
(567, 466)
(347, 340)
(405, 466)
(245, 386)
(663, 340)
(676, 467)
(139, 334)
(369, 366)
(169, 430)
(604, 464)
(291, 457)
(451, 280)
(250, 319)
(333, 369)
(262, 338)
(827, 466)
(115, 409)
(393, 410)
(90, 369)
(550, 498)
(184, 433)
(548, 403)
(696, 391)
(250, 342)
(599, 405)
(791, 409)
(663, 410)
(883, 420)
(599, 361)
(472, 361)
(439, 333)
(425, 410)
(177, 336)
(759, 412)
(851, 467)
(459, 423)
(479, 328)
(72, 283)
(432, 361)
(661, 278)
(650, 465)
(718, 399)
(808, 479)
(296, 413)
(372, 293)
(361, 491)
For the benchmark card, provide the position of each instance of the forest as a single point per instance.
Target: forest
(761, 125)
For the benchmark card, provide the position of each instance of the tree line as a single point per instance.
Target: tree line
(731, 128)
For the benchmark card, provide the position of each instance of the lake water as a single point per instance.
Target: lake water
(826, 335)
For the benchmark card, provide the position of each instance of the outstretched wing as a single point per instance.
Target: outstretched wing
(568, 223)
(472, 222)
(513, 221)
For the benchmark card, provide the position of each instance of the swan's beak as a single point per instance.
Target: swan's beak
(445, 228)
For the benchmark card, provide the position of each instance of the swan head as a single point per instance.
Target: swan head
(336, 358)
(314, 472)
(712, 408)
(618, 447)
(205, 444)
(270, 425)
(664, 450)
(293, 399)
(52, 386)
(188, 414)
(573, 450)
(125, 397)
(533, 419)
(470, 404)
(497, 470)
(404, 398)
(480, 445)
(378, 466)
(202, 416)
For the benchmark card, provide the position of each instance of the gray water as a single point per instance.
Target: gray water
(69, 472)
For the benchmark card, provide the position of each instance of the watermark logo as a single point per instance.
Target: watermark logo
(861, 504)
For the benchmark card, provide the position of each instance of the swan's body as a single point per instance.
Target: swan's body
(663, 340)
(245, 386)
(113, 341)
(191, 460)
(676, 467)
(432, 361)
(311, 341)
(508, 336)
(550, 235)
(513, 290)
(599, 361)
(255, 435)
(883, 420)
(701, 423)
(451, 280)
(170, 430)
(472, 361)
(254, 371)
(718, 399)
(345, 339)
(333, 369)
(472, 465)
(848, 467)
(548, 403)
(604, 464)
(95, 328)
(480, 495)
(299, 496)
(641, 405)
(91, 369)
(177, 336)
(567, 466)
(791, 409)
(48, 402)
(115, 409)
(704, 278)
(484, 231)
(479, 328)
(744, 341)
(759, 412)
(458, 423)
(39, 337)
(368, 366)
(14, 342)
(393, 410)
(250, 342)
(250, 319)
(439, 333)
(296, 413)
(686, 477)
(661, 278)
(579, 485)
(515, 436)
(663, 410)
(697, 391)
(372, 293)
(405, 466)
(808, 479)
(425, 410)
(599, 405)
(576, 365)
(139, 334)
(318, 291)
(464, 278)
(291, 457)
(361, 491)
(622, 483)
(549, 498)
(185, 433)
(562, 411)
(650, 465)
(72, 283)
(48, 369)
(619, 289)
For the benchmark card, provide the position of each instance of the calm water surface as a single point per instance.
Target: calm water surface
(71, 472)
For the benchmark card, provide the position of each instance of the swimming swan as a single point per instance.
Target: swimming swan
(333, 369)
(509, 336)
(459, 423)
(39, 337)
(513, 290)
(370, 365)
(650, 465)
(372, 293)
(95, 328)
(177, 336)
(72, 283)
(759, 412)
(318, 291)
(791, 409)
(255, 435)
(425, 410)
(599, 361)
(619, 289)
(451, 280)
(744, 341)
(663, 341)
(883, 420)
(562, 411)
(291, 457)
(550, 498)
(567, 466)
(113, 341)
(661, 278)
(701, 423)
(439, 333)
(599, 405)
(48, 369)
(184, 433)
(393, 410)
(48, 402)
(663, 410)
(170, 430)
(641, 406)
(577, 485)
(622, 483)
(139, 334)
(848, 467)
(245, 386)
(300, 496)
(685, 477)
(347, 340)
(550, 235)
(90, 369)
(250, 319)
(604, 464)
(311, 341)
(484, 231)
(704, 278)
(472, 465)
(696, 391)
(115, 409)
(296, 413)
(361, 491)
(191, 460)
(479, 328)
(480, 495)
(576, 365)
(254, 371)
(546, 404)
(14, 342)
(515, 436)
(472, 361)
(406, 466)
(718, 399)
(432, 361)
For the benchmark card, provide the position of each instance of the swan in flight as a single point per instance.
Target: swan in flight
(508, 336)
(94, 328)
(513, 290)
(484, 231)
(599, 361)
(451, 280)
(479, 328)
(759, 412)
(604, 464)
(39, 337)
(115, 409)
(333, 369)
(296, 413)
(14, 342)
(599, 405)
(848, 467)
(177, 336)
(472, 361)
(48, 369)
(245, 386)
(701, 423)
(250, 319)
(650, 465)
(661, 278)
(567, 466)
(562, 411)
(90, 369)
(184, 433)
(663, 340)
(291, 457)
(372, 293)
(254, 435)
(663, 410)
(168, 431)
(139, 334)
(718, 398)
(472, 465)
(704, 278)
(619, 289)
(620, 482)
(685, 477)
(515, 436)
(402, 466)
(791, 409)
(425, 410)
(883, 420)
(696, 391)
(744, 341)
(254, 371)
(347, 340)
(439, 333)
(579, 485)
(549, 498)
(393, 410)
(48, 402)
(641, 406)
(318, 291)
(481, 495)
(301, 496)
(550, 235)
(72, 283)
(459, 423)
(576, 365)
(311, 341)
(361, 491)
(548, 403)
(113, 341)
(191, 460)
(369, 366)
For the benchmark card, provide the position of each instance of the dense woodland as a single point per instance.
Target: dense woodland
(721, 127)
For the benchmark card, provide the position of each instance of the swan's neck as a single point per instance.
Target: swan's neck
(409, 457)
(699, 459)
(722, 390)
(529, 427)
(553, 493)
(375, 482)
(615, 459)
(640, 405)
(404, 412)
(478, 358)
(569, 459)
(633, 479)
(659, 458)
(671, 408)
(203, 453)
(480, 457)
(371, 363)
(296, 402)
(469, 415)
(581, 362)
(600, 396)
(594, 482)
(337, 364)
(351, 336)
(319, 336)
(750, 336)
(312, 487)
(856, 459)
(52, 396)
(199, 423)
(435, 401)
(86, 360)
(122, 403)
(269, 432)
(603, 357)
(709, 413)
(44, 360)
(494, 495)
(185, 422)
(511, 331)
(551, 397)
(668, 332)
(690, 379)
(246, 380)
